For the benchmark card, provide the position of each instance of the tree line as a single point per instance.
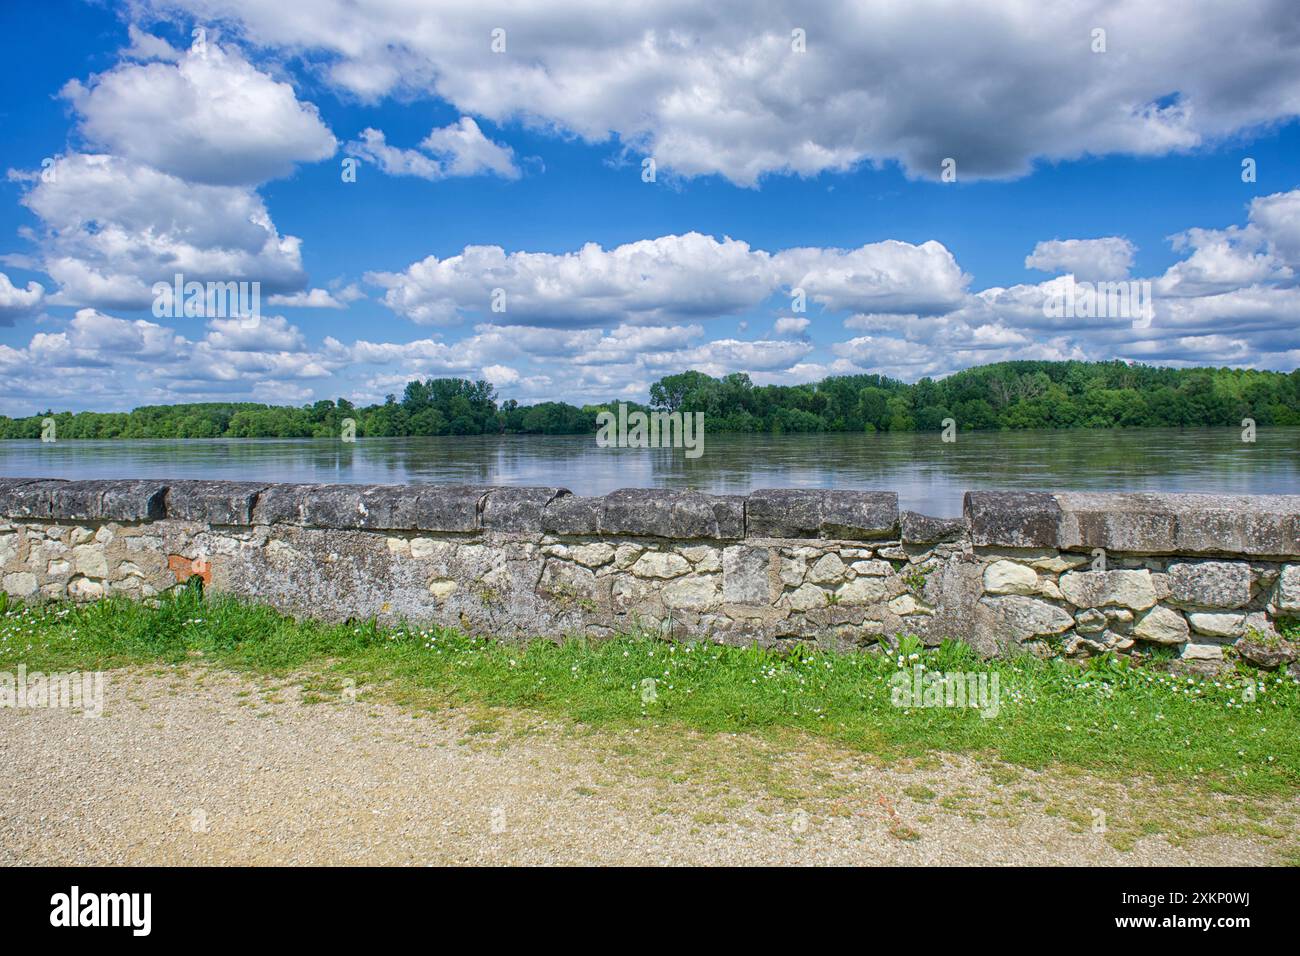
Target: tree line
(1005, 395)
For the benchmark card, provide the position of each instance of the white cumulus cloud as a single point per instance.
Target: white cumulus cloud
(460, 149)
(112, 227)
(15, 302)
(1086, 259)
(664, 280)
(724, 88)
(210, 117)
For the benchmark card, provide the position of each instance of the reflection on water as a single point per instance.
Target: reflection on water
(929, 475)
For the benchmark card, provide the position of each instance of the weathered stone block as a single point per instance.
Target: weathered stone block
(453, 508)
(906, 604)
(828, 569)
(863, 590)
(1015, 619)
(83, 589)
(917, 528)
(1161, 625)
(671, 514)
(1056, 562)
(90, 560)
(340, 506)
(1095, 589)
(10, 501)
(27, 497)
(212, 502)
(389, 507)
(1217, 584)
(660, 564)
(440, 589)
(806, 597)
(1117, 522)
(593, 555)
(625, 555)
(860, 515)
(784, 513)
(567, 581)
(745, 575)
(1217, 624)
(821, 513)
(729, 516)
(1269, 656)
(693, 593)
(131, 500)
(572, 514)
(1238, 524)
(1089, 621)
(281, 504)
(1288, 590)
(704, 557)
(1161, 523)
(1008, 577)
(518, 509)
(1012, 519)
(20, 583)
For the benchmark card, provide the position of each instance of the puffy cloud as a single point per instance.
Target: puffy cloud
(421, 357)
(1265, 250)
(909, 360)
(460, 149)
(652, 281)
(887, 276)
(1276, 218)
(1086, 259)
(500, 374)
(281, 393)
(104, 362)
(318, 298)
(91, 331)
(372, 146)
(633, 343)
(463, 150)
(146, 46)
(723, 356)
(15, 302)
(722, 88)
(1233, 299)
(210, 117)
(665, 280)
(113, 227)
(267, 334)
(791, 326)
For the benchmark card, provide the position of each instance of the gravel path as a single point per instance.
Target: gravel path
(207, 767)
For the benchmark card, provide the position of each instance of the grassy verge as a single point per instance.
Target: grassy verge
(1107, 717)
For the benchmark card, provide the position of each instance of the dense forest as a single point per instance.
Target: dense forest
(1007, 395)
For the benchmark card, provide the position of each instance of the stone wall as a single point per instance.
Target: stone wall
(1065, 574)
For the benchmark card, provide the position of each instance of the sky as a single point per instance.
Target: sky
(574, 199)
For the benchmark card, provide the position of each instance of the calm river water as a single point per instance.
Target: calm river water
(929, 475)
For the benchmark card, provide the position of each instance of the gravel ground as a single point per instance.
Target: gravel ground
(207, 767)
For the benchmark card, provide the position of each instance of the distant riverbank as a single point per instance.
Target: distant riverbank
(1002, 396)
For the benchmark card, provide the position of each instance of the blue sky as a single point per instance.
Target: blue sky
(776, 169)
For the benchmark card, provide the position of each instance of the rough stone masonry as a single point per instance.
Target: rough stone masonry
(1207, 576)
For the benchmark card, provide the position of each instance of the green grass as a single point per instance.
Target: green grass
(1107, 718)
